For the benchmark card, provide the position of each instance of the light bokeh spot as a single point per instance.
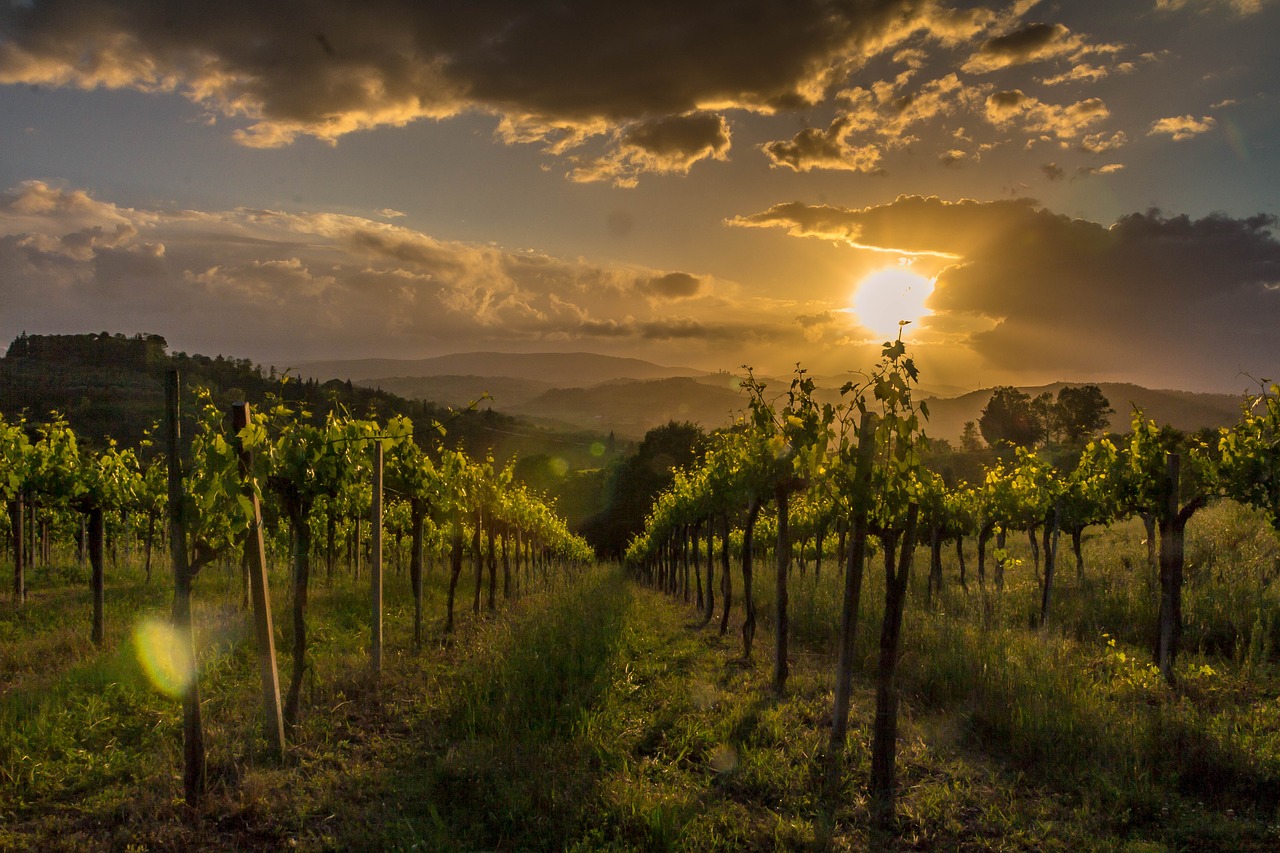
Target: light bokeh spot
(165, 659)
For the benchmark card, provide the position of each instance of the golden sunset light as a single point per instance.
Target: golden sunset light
(421, 185)
(888, 297)
(567, 425)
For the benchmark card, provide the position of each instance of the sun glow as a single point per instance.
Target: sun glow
(889, 296)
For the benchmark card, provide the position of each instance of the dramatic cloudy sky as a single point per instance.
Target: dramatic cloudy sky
(1091, 187)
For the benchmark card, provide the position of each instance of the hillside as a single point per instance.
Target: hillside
(631, 409)
(562, 369)
(113, 386)
(505, 392)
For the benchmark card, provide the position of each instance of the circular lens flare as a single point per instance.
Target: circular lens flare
(165, 659)
(887, 297)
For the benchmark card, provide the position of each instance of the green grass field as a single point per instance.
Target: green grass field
(594, 714)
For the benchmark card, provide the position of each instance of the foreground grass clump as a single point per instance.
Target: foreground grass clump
(593, 714)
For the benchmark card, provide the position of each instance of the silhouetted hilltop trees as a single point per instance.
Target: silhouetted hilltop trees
(138, 352)
(112, 385)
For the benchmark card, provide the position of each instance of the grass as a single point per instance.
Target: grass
(593, 714)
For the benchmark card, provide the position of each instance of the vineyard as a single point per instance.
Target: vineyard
(766, 669)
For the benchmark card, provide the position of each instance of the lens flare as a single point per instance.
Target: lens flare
(165, 659)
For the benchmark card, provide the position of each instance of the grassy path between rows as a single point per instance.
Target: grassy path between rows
(595, 716)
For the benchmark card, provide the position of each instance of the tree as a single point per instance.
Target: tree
(970, 438)
(1008, 418)
(1082, 412)
(638, 480)
(1044, 412)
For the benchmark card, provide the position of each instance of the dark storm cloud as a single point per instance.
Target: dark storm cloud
(1033, 42)
(1023, 44)
(673, 285)
(910, 225)
(662, 146)
(874, 119)
(829, 148)
(325, 69)
(679, 138)
(1192, 297)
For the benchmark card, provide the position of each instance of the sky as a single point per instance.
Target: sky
(1081, 191)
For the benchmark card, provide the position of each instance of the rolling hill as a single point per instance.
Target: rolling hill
(631, 409)
(505, 392)
(559, 369)
(630, 396)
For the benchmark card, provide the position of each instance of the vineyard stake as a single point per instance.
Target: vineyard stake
(259, 591)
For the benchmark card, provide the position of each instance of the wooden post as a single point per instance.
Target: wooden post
(375, 564)
(193, 779)
(259, 592)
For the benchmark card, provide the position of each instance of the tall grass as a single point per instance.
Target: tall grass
(589, 714)
(1078, 699)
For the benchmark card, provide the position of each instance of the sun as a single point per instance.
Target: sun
(888, 296)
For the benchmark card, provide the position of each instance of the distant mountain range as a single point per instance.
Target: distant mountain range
(557, 369)
(630, 408)
(630, 396)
